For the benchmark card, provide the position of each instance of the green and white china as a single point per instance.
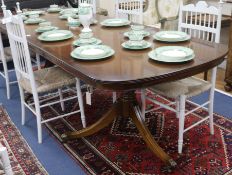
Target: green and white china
(54, 10)
(66, 15)
(171, 36)
(136, 45)
(172, 54)
(34, 12)
(69, 10)
(83, 42)
(92, 52)
(34, 20)
(73, 22)
(45, 29)
(115, 22)
(55, 35)
(143, 32)
(137, 27)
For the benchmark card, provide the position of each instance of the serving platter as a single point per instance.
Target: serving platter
(171, 36)
(115, 22)
(55, 35)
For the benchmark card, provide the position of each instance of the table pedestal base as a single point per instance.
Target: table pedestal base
(126, 106)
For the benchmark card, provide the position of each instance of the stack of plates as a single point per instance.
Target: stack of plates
(56, 35)
(138, 45)
(171, 36)
(45, 29)
(92, 52)
(34, 20)
(83, 42)
(116, 22)
(172, 54)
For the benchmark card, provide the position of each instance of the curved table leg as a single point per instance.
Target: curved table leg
(100, 124)
(148, 138)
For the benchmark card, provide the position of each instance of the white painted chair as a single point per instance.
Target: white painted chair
(189, 87)
(130, 9)
(5, 161)
(92, 2)
(40, 81)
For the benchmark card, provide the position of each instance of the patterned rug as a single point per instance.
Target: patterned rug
(22, 159)
(119, 149)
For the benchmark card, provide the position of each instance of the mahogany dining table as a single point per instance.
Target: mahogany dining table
(126, 71)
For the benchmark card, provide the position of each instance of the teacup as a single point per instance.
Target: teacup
(135, 37)
(54, 6)
(86, 35)
(137, 27)
(45, 24)
(34, 16)
(73, 22)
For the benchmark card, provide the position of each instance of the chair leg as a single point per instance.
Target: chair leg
(143, 99)
(6, 79)
(114, 97)
(38, 61)
(177, 108)
(22, 104)
(61, 98)
(5, 161)
(80, 101)
(38, 117)
(181, 123)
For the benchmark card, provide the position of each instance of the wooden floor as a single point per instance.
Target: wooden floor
(220, 79)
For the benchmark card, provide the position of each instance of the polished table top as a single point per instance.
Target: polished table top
(126, 69)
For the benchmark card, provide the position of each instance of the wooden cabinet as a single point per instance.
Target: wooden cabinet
(228, 76)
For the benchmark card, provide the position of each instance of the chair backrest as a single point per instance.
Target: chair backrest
(92, 2)
(19, 47)
(130, 9)
(201, 20)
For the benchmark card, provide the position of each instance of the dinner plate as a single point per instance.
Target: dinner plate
(127, 45)
(45, 29)
(54, 10)
(115, 22)
(83, 42)
(69, 10)
(34, 20)
(171, 36)
(92, 52)
(144, 33)
(34, 12)
(56, 35)
(172, 54)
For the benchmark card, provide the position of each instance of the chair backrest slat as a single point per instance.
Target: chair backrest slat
(130, 9)
(201, 21)
(92, 2)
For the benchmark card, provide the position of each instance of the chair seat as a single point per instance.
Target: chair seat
(48, 79)
(190, 87)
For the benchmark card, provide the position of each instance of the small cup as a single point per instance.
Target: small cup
(135, 37)
(86, 35)
(34, 16)
(54, 6)
(45, 24)
(137, 27)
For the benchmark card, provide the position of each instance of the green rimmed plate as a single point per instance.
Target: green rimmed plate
(34, 12)
(145, 45)
(115, 22)
(54, 10)
(83, 42)
(171, 36)
(144, 33)
(34, 20)
(92, 52)
(45, 29)
(69, 10)
(55, 35)
(172, 54)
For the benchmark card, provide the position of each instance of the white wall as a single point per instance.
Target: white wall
(109, 5)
